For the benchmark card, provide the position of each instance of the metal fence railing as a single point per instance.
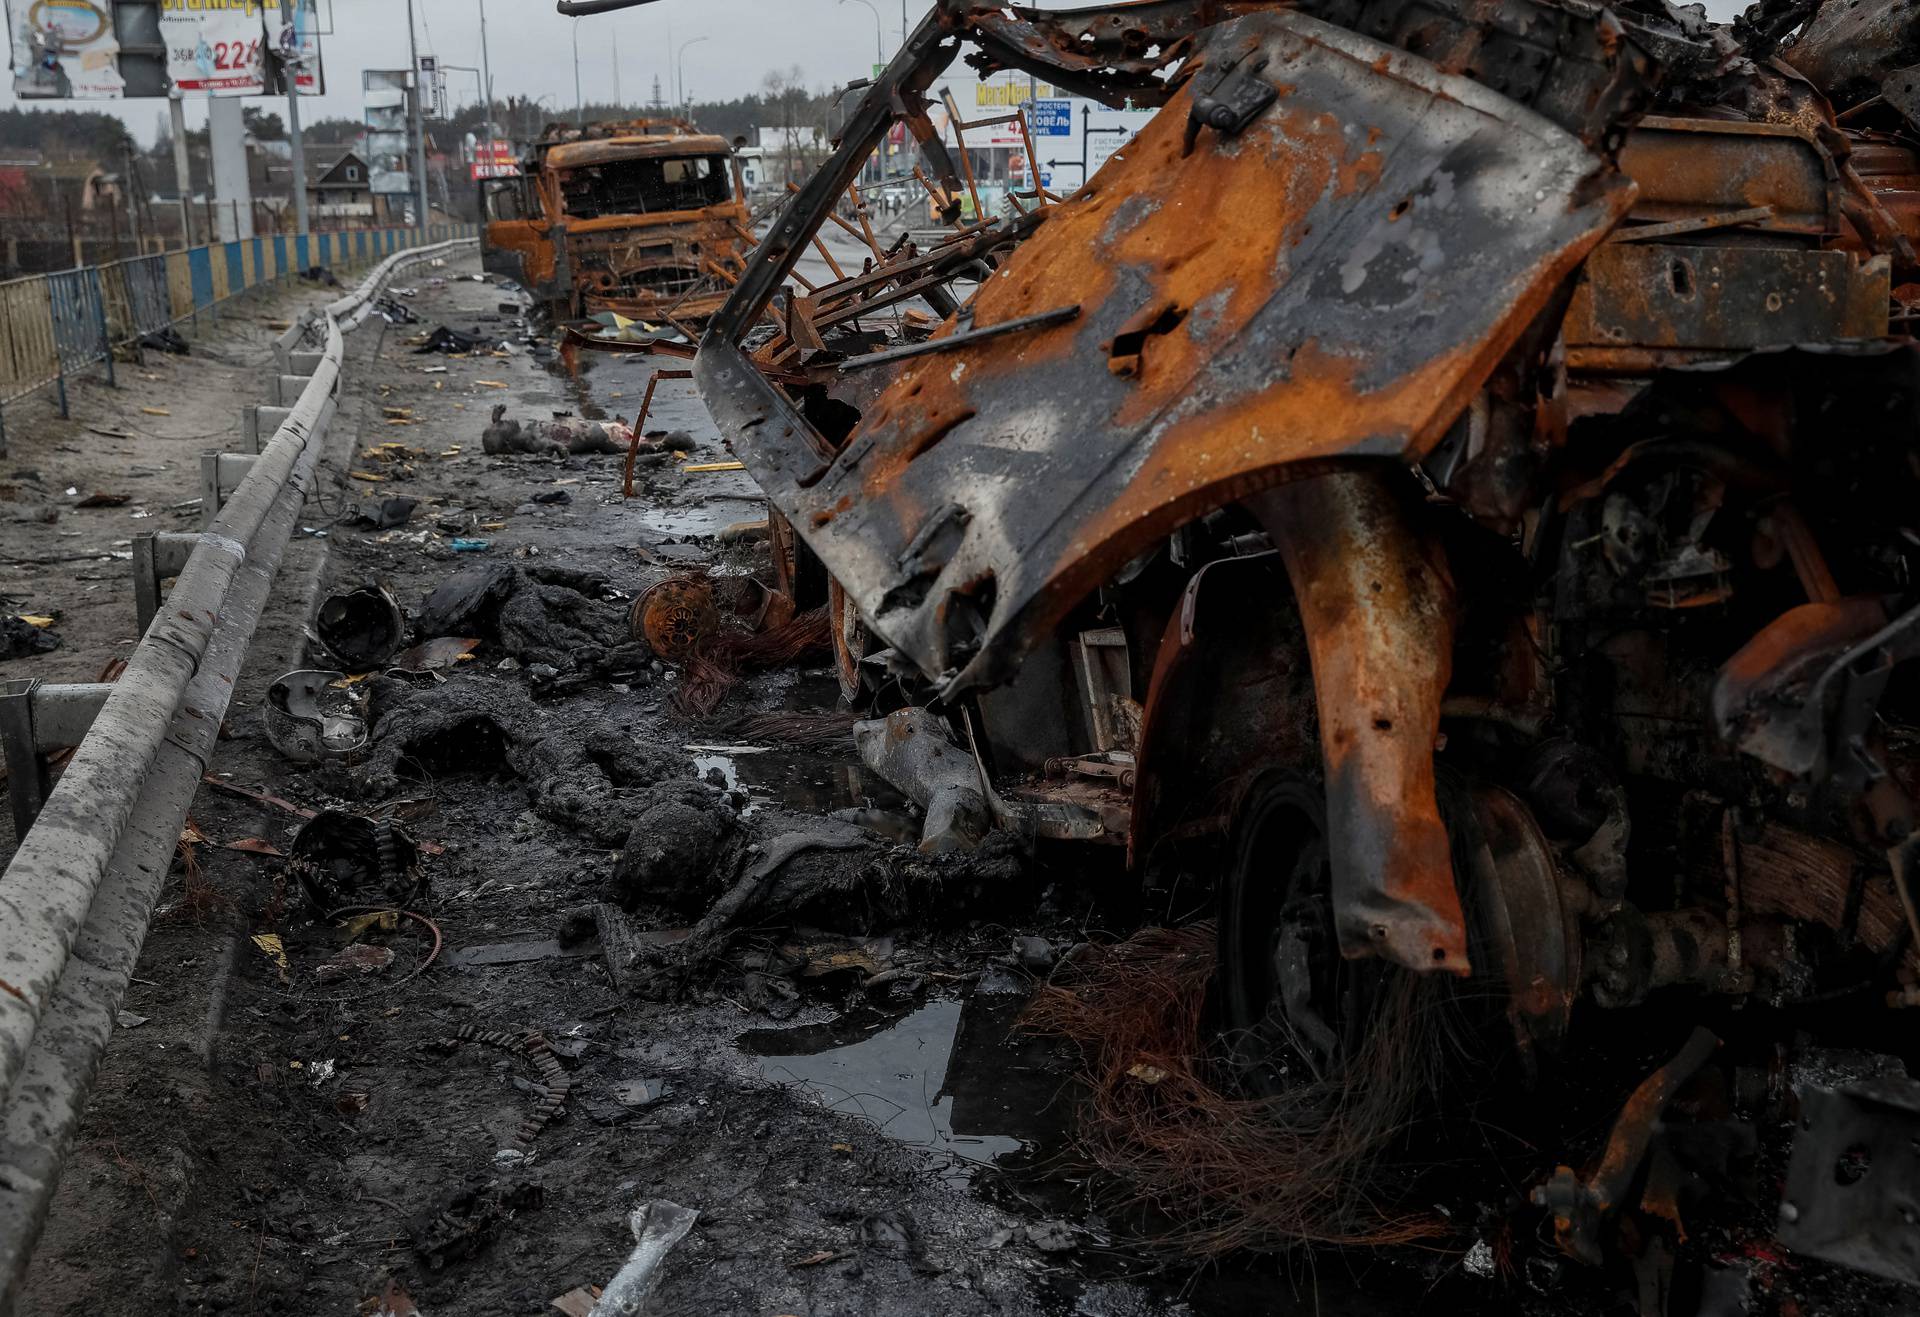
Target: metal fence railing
(56, 325)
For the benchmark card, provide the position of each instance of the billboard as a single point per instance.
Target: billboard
(215, 48)
(298, 43)
(495, 161)
(63, 49)
(387, 135)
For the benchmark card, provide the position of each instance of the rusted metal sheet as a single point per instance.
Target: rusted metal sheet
(1849, 49)
(1110, 54)
(1690, 168)
(1377, 239)
(1379, 619)
(1636, 299)
(580, 155)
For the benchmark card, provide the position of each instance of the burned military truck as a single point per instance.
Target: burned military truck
(645, 218)
(1441, 502)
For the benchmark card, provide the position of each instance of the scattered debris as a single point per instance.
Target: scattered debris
(461, 1225)
(577, 1302)
(362, 628)
(359, 960)
(20, 638)
(313, 715)
(166, 340)
(910, 748)
(657, 1226)
(344, 860)
(388, 514)
(437, 655)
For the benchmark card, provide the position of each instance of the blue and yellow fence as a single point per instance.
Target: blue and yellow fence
(56, 325)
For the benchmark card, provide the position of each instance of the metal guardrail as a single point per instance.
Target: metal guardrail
(56, 325)
(80, 892)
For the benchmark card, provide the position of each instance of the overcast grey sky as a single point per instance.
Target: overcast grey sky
(832, 41)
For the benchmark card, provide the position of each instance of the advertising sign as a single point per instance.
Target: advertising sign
(387, 136)
(495, 161)
(299, 44)
(64, 48)
(215, 47)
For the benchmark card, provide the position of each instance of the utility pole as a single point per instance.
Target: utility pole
(419, 129)
(182, 174)
(615, 38)
(486, 75)
(290, 70)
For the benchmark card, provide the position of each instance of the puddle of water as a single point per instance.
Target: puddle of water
(937, 1078)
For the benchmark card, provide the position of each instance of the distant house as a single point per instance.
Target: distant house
(338, 188)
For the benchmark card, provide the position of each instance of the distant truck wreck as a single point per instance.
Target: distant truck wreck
(645, 218)
(1443, 500)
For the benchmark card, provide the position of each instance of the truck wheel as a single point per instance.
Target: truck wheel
(1291, 1007)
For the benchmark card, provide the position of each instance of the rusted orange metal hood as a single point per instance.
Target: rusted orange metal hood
(1332, 282)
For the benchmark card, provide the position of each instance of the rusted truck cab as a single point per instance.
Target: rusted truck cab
(643, 218)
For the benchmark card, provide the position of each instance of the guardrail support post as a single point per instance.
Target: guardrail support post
(220, 472)
(304, 363)
(258, 424)
(35, 717)
(288, 388)
(156, 558)
(28, 781)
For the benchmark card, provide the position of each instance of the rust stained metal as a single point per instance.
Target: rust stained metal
(608, 150)
(1379, 619)
(1638, 300)
(1112, 54)
(1350, 290)
(1776, 667)
(1719, 290)
(1850, 49)
(1578, 1206)
(1532, 933)
(1231, 692)
(640, 424)
(658, 264)
(1689, 168)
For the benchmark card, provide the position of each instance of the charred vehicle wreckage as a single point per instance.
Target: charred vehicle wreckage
(645, 218)
(1440, 503)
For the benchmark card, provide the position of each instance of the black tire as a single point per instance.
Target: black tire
(1276, 892)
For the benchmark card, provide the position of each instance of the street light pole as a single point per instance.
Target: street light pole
(680, 66)
(579, 107)
(879, 31)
